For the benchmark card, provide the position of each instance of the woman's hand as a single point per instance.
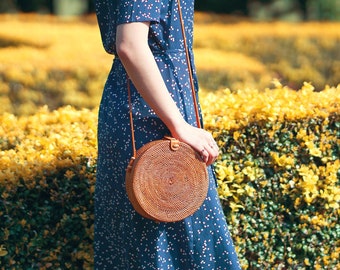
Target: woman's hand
(199, 139)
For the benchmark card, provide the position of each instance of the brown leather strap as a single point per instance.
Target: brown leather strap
(131, 119)
(192, 86)
(189, 65)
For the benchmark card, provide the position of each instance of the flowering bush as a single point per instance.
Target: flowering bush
(58, 62)
(244, 54)
(49, 61)
(278, 174)
(47, 165)
(278, 179)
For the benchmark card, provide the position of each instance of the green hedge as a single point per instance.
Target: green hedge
(275, 224)
(49, 226)
(47, 176)
(278, 181)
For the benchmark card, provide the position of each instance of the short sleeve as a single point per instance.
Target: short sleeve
(138, 11)
(110, 13)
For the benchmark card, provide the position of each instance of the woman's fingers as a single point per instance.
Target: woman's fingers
(201, 140)
(209, 151)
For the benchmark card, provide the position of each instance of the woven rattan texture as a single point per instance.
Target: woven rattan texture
(164, 184)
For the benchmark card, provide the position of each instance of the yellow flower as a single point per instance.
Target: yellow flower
(250, 172)
(319, 220)
(23, 222)
(314, 151)
(308, 184)
(224, 190)
(235, 207)
(306, 262)
(282, 161)
(290, 261)
(265, 235)
(84, 216)
(3, 251)
(317, 266)
(236, 135)
(308, 197)
(334, 205)
(220, 173)
(304, 218)
(335, 254)
(69, 174)
(250, 191)
(263, 183)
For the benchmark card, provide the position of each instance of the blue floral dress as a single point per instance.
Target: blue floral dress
(124, 239)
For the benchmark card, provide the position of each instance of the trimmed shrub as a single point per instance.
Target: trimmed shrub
(278, 179)
(279, 175)
(47, 175)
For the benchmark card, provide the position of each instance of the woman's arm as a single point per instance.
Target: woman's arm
(134, 52)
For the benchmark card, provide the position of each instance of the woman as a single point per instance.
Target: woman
(146, 40)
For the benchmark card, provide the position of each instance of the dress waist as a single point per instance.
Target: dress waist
(163, 52)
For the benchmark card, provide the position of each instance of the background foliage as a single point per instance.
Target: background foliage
(278, 172)
(47, 174)
(61, 62)
(257, 9)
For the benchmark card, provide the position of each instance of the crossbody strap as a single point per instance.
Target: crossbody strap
(192, 86)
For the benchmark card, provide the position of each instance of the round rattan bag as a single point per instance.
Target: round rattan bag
(166, 181)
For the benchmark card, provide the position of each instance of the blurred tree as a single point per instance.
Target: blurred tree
(223, 6)
(275, 9)
(7, 6)
(303, 7)
(91, 7)
(46, 5)
(327, 9)
(278, 9)
(49, 6)
(28, 6)
(34, 5)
